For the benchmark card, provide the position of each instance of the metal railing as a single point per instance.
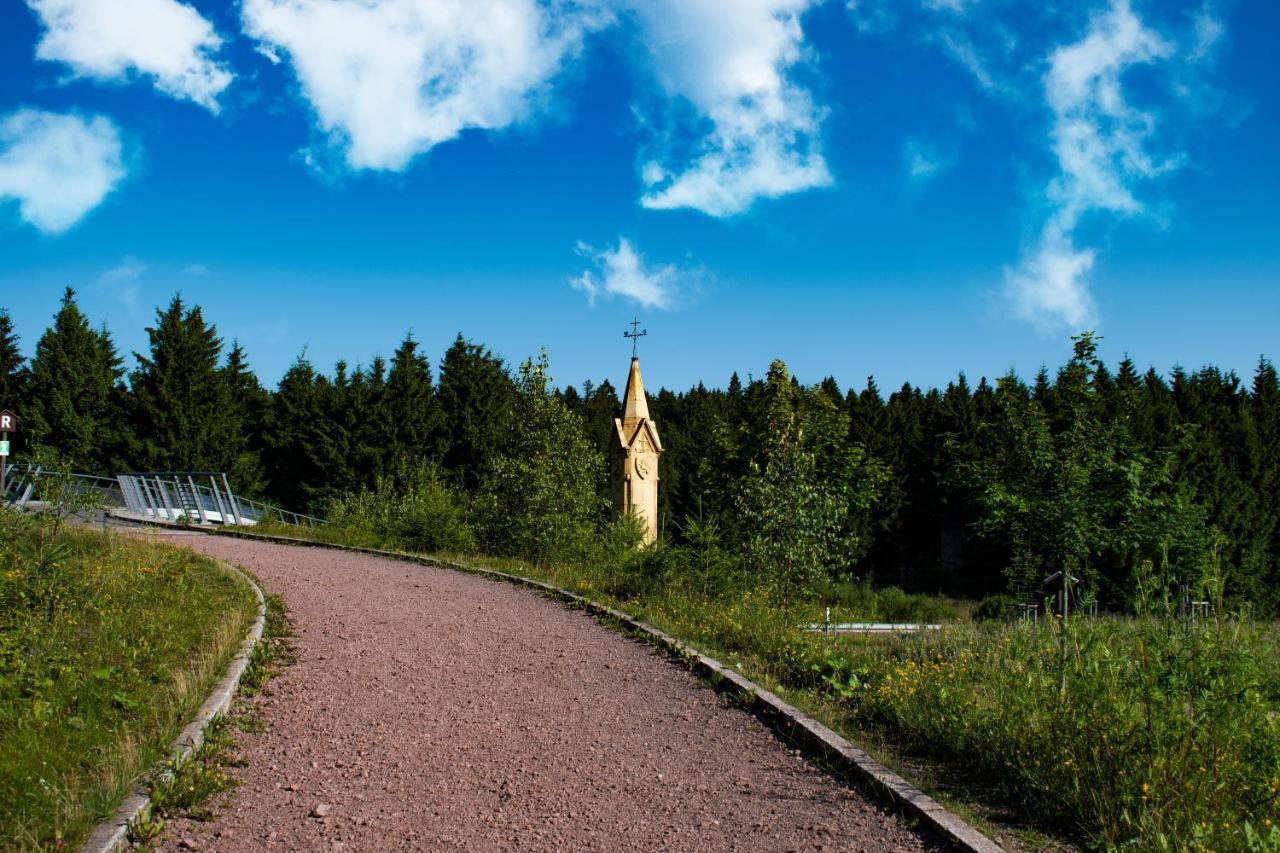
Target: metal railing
(197, 497)
(22, 486)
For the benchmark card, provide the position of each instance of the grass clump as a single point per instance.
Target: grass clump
(107, 646)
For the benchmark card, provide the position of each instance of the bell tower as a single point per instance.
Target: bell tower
(636, 448)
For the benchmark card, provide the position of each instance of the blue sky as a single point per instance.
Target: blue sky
(905, 188)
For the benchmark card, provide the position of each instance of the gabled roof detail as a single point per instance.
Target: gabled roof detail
(645, 426)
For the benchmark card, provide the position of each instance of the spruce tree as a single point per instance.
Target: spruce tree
(181, 402)
(248, 411)
(12, 376)
(410, 399)
(294, 469)
(74, 393)
(477, 409)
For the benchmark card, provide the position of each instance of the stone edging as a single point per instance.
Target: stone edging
(112, 834)
(791, 721)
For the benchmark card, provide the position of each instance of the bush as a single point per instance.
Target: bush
(994, 607)
(415, 511)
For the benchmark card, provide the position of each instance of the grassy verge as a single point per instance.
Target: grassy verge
(1149, 733)
(108, 645)
(190, 789)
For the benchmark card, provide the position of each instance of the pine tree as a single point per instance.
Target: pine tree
(182, 407)
(74, 391)
(12, 376)
(294, 469)
(248, 413)
(477, 408)
(410, 405)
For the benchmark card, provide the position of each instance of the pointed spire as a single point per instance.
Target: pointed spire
(635, 403)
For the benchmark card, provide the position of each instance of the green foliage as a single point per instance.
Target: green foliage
(1148, 730)
(180, 400)
(12, 375)
(107, 646)
(540, 497)
(799, 492)
(74, 402)
(414, 511)
(476, 399)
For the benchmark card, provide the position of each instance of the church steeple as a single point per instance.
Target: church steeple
(636, 448)
(635, 405)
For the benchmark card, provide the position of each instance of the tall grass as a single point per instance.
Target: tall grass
(107, 646)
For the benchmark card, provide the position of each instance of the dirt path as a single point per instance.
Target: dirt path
(434, 710)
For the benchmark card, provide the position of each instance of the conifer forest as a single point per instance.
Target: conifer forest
(977, 489)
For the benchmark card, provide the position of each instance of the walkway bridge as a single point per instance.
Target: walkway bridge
(175, 497)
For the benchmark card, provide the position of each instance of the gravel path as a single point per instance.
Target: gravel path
(434, 710)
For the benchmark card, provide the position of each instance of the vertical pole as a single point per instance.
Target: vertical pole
(164, 495)
(195, 495)
(235, 502)
(223, 509)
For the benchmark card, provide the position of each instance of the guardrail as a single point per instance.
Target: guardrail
(200, 497)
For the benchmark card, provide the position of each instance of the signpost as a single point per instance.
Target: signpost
(8, 424)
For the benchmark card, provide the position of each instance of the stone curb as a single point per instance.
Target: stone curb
(790, 721)
(113, 833)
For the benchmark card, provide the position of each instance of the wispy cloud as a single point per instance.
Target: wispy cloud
(731, 64)
(626, 273)
(1103, 148)
(122, 281)
(163, 40)
(58, 166)
(922, 161)
(390, 79)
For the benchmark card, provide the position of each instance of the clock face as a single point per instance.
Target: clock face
(642, 468)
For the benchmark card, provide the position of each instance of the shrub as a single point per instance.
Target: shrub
(415, 511)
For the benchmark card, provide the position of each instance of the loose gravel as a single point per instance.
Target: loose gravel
(434, 710)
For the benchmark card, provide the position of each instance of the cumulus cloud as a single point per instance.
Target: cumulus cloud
(58, 167)
(625, 272)
(732, 63)
(390, 79)
(166, 41)
(1102, 145)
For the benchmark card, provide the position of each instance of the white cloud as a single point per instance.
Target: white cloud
(625, 272)
(58, 167)
(164, 40)
(1207, 32)
(963, 50)
(1101, 143)
(121, 281)
(390, 79)
(923, 162)
(731, 62)
(1048, 287)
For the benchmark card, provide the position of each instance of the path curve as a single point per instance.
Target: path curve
(434, 710)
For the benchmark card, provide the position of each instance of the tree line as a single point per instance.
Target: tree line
(1110, 474)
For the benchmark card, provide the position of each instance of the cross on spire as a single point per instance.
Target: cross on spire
(635, 334)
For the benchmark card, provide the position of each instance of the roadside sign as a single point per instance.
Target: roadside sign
(8, 424)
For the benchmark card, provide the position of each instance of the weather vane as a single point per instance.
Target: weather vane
(635, 334)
